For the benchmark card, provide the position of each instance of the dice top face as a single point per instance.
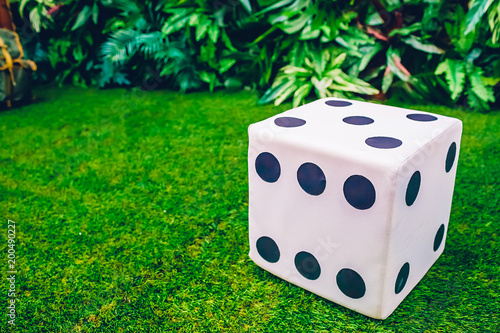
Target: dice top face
(351, 200)
(371, 132)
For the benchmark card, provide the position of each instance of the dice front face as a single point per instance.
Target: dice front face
(344, 197)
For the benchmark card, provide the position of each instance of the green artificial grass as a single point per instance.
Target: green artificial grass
(131, 214)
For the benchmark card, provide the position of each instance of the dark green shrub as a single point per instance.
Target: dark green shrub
(437, 51)
(63, 37)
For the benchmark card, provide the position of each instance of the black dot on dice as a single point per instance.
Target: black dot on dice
(421, 117)
(413, 187)
(359, 192)
(337, 103)
(267, 167)
(268, 249)
(289, 122)
(383, 142)
(351, 283)
(311, 178)
(450, 157)
(307, 265)
(358, 120)
(402, 278)
(439, 237)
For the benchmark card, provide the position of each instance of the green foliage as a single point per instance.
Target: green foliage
(134, 37)
(203, 28)
(477, 8)
(471, 69)
(477, 88)
(68, 33)
(435, 51)
(131, 213)
(321, 71)
(494, 22)
(455, 76)
(39, 13)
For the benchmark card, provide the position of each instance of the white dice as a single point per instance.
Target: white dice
(351, 200)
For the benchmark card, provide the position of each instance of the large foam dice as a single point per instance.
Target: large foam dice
(351, 200)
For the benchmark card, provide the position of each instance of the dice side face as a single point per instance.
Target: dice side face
(315, 234)
(421, 212)
(348, 244)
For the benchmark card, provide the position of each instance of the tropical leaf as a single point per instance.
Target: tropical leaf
(344, 82)
(247, 5)
(271, 94)
(296, 70)
(36, 19)
(210, 78)
(475, 102)
(202, 27)
(82, 17)
(368, 56)
(478, 87)
(322, 85)
(322, 71)
(225, 65)
(490, 81)
(338, 61)
(454, 71)
(293, 26)
(277, 5)
(150, 43)
(179, 19)
(494, 22)
(127, 7)
(407, 30)
(397, 68)
(95, 13)
(22, 4)
(387, 79)
(477, 8)
(301, 93)
(286, 92)
(124, 44)
(419, 45)
(213, 33)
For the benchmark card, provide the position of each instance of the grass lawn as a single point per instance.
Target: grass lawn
(131, 216)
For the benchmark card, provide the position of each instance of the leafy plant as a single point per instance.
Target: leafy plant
(309, 19)
(494, 22)
(476, 86)
(40, 12)
(202, 26)
(68, 33)
(398, 33)
(462, 65)
(189, 45)
(308, 26)
(135, 36)
(322, 71)
(436, 51)
(444, 39)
